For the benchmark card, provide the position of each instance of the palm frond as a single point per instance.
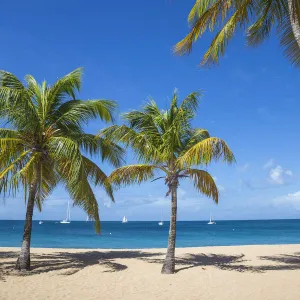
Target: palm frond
(65, 86)
(83, 196)
(48, 178)
(14, 98)
(10, 143)
(97, 176)
(80, 112)
(8, 133)
(64, 147)
(209, 14)
(147, 120)
(66, 153)
(131, 174)
(152, 109)
(218, 45)
(288, 41)
(14, 164)
(141, 143)
(193, 137)
(206, 151)
(110, 151)
(198, 9)
(9, 80)
(204, 183)
(43, 174)
(269, 12)
(191, 102)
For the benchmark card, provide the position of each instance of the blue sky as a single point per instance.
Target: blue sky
(251, 100)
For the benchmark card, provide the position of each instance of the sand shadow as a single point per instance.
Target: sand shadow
(281, 262)
(4, 265)
(189, 261)
(205, 260)
(238, 263)
(70, 263)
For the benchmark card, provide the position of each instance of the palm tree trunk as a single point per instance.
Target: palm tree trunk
(169, 263)
(294, 23)
(23, 262)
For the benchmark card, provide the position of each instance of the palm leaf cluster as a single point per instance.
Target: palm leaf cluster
(165, 142)
(258, 17)
(43, 142)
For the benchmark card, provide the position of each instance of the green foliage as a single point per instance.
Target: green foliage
(44, 141)
(165, 142)
(227, 16)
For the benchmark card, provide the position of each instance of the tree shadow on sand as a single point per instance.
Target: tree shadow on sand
(234, 262)
(70, 263)
(189, 261)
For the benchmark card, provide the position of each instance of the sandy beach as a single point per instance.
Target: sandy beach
(236, 272)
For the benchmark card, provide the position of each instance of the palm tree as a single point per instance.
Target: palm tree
(43, 144)
(165, 142)
(263, 16)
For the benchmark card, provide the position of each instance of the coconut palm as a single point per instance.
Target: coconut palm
(168, 147)
(259, 17)
(44, 144)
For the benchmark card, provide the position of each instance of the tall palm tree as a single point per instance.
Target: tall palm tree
(43, 144)
(259, 17)
(165, 143)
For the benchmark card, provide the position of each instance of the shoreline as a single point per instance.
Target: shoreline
(148, 249)
(261, 272)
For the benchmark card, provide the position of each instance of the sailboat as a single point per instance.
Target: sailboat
(124, 220)
(211, 222)
(40, 222)
(68, 219)
(88, 219)
(161, 223)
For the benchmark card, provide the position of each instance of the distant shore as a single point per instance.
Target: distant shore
(223, 272)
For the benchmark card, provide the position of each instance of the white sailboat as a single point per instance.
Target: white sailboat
(88, 219)
(161, 223)
(68, 219)
(124, 220)
(211, 222)
(40, 222)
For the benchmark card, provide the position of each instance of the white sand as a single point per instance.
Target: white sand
(244, 272)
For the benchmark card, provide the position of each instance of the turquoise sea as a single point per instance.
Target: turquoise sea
(52, 234)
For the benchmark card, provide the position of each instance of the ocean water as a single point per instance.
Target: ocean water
(52, 234)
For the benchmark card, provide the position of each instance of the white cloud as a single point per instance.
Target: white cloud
(292, 199)
(243, 168)
(279, 176)
(269, 164)
(289, 173)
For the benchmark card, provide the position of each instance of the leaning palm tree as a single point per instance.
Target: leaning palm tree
(43, 144)
(166, 145)
(259, 17)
